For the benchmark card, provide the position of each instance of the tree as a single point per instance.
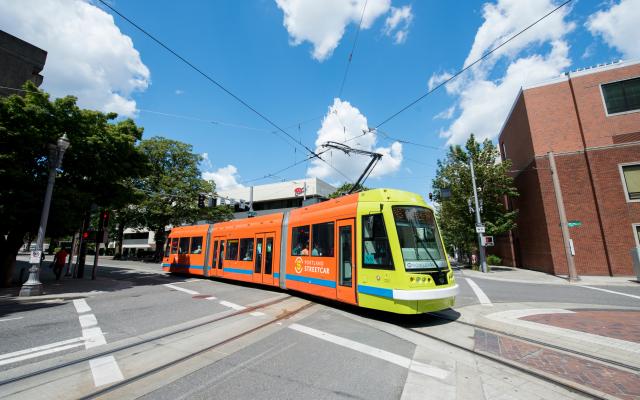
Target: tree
(345, 188)
(493, 182)
(171, 189)
(102, 156)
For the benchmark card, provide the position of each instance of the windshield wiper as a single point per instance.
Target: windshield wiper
(417, 239)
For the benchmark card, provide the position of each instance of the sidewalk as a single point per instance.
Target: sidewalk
(509, 274)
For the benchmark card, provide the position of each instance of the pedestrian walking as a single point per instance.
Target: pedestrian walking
(58, 262)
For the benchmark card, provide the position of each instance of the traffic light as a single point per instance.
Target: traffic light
(104, 217)
(201, 198)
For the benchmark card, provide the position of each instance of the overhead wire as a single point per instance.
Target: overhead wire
(485, 55)
(353, 49)
(216, 83)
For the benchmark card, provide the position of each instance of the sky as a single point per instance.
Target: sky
(289, 60)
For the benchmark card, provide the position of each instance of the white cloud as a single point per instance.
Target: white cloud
(179, 92)
(345, 123)
(485, 94)
(322, 23)
(446, 114)
(618, 26)
(437, 79)
(397, 24)
(225, 178)
(88, 56)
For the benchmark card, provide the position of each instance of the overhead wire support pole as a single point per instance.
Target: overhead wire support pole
(481, 252)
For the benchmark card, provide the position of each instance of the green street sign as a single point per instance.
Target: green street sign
(573, 224)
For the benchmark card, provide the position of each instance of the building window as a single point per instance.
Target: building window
(636, 234)
(322, 240)
(232, 249)
(246, 249)
(300, 241)
(622, 96)
(631, 181)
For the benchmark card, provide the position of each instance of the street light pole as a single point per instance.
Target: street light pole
(33, 286)
(483, 260)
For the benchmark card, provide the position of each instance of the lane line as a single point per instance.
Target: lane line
(10, 319)
(174, 287)
(105, 370)
(81, 306)
(393, 358)
(482, 297)
(39, 353)
(210, 298)
(232, 305)
(257, 314)
(611, 291)
(88, 320)
(77, 340)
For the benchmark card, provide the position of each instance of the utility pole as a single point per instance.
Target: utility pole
(479, 226)
(573, 274)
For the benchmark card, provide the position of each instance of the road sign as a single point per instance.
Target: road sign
(480, 229)
(487, 241)
(35, 257)
(574, 223)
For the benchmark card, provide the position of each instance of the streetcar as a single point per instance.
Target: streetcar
(378, 249)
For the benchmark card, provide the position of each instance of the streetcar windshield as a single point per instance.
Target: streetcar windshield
(419, 238)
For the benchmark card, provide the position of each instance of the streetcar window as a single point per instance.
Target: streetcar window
(322, 239)
(221, 254)
(214, 257)
(174, 246)
(418, 237)
(196, 245)
(183, 246)
(300, 241)
(167, 248)
(268, 261)
(376, 252)
(232, 250)
(246, 249)
(258, 263)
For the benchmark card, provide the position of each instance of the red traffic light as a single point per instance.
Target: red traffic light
(85, 235)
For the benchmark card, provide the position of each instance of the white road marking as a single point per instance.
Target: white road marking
(482, 297)
(232, 305)
(38, 353)
(77, 341)
(105, 370)
(513, 317)
(93, 337)
(81, 306)
(88, 320)
(396, 359)
(10, 319)
(611, 291)
(257, 314)
(210, 298)
(174, 287)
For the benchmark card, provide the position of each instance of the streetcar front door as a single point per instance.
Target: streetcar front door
(258, 259)
(346, 290)
(267, 275)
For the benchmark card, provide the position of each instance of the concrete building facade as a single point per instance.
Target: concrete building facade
(590, 120)
(19, 62)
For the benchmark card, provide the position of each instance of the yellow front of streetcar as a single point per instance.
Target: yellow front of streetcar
(402, 264)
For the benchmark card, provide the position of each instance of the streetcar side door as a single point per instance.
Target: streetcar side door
(213, 271)
(346, 290)
(268, 258)
(258, 259)
(220, 257)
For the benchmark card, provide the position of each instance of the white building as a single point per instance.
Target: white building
(276, 196)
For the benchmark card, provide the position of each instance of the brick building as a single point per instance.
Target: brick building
(590, 120)
(19, 62)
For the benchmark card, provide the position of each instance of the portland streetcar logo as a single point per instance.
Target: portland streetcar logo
(298, 265)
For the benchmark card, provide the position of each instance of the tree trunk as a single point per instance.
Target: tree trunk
(119, 239)
(160, 239)
(9, 248)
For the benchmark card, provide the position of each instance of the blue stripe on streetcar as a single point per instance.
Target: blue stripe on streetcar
(313, 281)
(239, 271)
(184, 266)
(376, 291)
(276, 275)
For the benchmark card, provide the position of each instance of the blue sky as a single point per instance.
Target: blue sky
(278, 57)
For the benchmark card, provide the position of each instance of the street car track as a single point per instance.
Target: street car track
(130, 380)
(141, 342)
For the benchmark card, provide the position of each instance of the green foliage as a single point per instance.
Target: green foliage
(170, 190)
(492, 259)
(345, 188)
(493, 182)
